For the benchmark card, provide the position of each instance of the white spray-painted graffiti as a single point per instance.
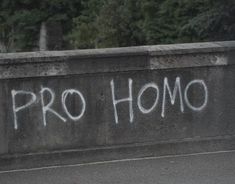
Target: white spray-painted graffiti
(128, 99)
(17, 109)
(46, 107)
(166, 88)
(142, 90)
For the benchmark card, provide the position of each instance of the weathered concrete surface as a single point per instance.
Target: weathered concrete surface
(79, 106)
(57, 63)
(216, 168)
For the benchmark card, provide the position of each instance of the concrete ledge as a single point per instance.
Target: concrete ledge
(186, 48)
(59, 63)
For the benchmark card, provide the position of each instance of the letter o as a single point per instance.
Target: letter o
(142, 90)
(201, 82)
(63, 99)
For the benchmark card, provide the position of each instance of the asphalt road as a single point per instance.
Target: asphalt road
(208, 168)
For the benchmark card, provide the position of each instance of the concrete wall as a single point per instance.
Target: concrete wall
(63, 107)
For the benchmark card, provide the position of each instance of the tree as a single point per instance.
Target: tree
(84, 31)
(119, 24)
(20, 20)
(116, 23)
(108, 23)
(177, 21)
(215, 21)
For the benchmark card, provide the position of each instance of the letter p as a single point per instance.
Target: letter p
(17, 109)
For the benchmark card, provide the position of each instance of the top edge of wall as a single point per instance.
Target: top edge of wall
(152, 50)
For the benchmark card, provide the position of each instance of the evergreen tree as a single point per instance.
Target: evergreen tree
(20, 20)
(84, 31)
(119, 24)
(215, 21)
(116, 23)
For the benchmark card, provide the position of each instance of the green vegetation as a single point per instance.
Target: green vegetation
(116, 23)
(20, 20)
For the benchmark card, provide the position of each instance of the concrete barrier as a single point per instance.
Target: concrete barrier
(65, 107)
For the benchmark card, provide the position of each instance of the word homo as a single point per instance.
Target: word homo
(47, 107)
(183, 96)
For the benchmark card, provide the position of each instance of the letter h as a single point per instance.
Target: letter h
(128, 99)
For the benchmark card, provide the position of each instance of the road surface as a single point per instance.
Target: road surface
(206, 168)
